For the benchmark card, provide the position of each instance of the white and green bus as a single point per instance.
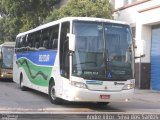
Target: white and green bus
(77, 59)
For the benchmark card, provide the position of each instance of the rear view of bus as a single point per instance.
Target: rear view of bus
(6, 60)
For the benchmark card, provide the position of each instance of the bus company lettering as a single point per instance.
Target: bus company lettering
(44, 58)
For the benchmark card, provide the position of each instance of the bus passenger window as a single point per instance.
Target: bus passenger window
(37, 45)
(45, 44)
(54, 43)
(29, 45)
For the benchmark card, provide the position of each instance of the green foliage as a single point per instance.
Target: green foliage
(8, 29)
(21, 15)
(83, 8)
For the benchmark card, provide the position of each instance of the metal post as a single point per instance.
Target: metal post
(139, 79)
(70, 65)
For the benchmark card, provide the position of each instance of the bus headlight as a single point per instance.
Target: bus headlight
(128, 86)
(78, 84)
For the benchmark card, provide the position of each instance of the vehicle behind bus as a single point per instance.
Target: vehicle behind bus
(77, 59)
(6, 60)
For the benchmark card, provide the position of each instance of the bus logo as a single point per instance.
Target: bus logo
(117, 83)
(44, 58)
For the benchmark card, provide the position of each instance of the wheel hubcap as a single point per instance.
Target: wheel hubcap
(53, 93)
(21, 83)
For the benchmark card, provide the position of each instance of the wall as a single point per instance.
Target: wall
(142, 16)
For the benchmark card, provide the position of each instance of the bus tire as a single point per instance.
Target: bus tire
(22, 87)
(52, 95)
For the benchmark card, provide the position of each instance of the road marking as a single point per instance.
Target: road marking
(45, 110)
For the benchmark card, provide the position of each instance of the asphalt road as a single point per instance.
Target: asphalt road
(13, 100)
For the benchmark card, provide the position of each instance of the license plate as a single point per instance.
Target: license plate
(105, 96)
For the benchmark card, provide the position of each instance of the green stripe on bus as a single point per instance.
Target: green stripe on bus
(38, 75)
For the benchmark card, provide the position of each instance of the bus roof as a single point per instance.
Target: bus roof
(7, 44)
(71, 19)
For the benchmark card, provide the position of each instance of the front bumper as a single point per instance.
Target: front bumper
(6, 76)
(85, 95)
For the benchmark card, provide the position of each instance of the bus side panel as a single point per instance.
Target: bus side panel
(37, 68)
(57, 77)
(16, 72)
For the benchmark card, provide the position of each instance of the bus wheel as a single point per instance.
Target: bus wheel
(102, 103)
(22, 87)
(52, 94)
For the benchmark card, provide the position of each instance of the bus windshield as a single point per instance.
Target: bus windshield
(104, 51)
(7, 54)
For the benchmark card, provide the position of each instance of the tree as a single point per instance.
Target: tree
(21, 15)
(8, 29)
(83, 8)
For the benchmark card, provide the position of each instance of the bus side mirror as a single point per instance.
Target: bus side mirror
(72, 40)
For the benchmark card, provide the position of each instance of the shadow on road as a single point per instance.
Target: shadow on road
(6, 80)
(89, 105)
(92, 106)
